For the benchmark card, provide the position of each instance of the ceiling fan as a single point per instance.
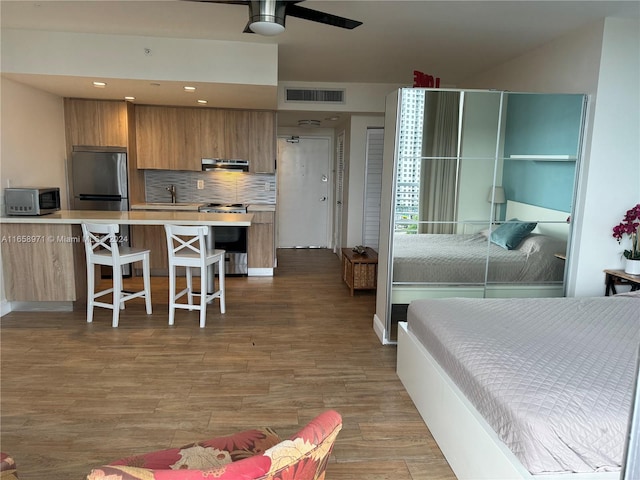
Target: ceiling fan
(267, 17)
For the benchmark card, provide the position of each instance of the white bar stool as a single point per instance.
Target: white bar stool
(187, 248)
(101, 248)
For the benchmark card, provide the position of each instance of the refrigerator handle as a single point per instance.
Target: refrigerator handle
(100, 198)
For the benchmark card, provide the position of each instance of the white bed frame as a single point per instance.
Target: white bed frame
(472, 448)
(405, 294)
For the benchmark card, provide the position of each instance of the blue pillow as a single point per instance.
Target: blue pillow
(510, 234)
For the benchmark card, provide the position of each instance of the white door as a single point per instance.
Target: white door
(303, 192)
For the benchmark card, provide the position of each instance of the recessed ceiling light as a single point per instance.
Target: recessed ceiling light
(202, 101)
(308, 123)
(99, 84)
(189, 89)
(130, 98)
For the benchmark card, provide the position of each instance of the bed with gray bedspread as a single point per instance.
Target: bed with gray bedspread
(552, 376)
(458, 259)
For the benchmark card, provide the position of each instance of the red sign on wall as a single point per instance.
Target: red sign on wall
(424, 80)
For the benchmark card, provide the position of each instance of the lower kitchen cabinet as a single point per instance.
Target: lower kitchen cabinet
(261, 252)
(152, 237)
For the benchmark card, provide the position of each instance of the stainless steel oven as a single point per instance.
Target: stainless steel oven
(231, 239)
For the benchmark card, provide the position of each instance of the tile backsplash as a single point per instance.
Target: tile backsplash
(218, 187)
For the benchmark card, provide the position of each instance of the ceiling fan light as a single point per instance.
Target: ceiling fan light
(268, 29)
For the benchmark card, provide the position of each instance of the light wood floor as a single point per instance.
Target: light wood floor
(76, 395)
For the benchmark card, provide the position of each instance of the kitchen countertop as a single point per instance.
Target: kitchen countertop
(139, 217)
(254, 207)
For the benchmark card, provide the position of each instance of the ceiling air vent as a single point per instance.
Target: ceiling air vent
(314, 95)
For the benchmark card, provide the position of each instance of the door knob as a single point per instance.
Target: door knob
(323, 199)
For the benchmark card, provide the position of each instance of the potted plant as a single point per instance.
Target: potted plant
(630, 225)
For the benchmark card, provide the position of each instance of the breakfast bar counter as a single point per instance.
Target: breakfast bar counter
(43, 257)
(135, 217)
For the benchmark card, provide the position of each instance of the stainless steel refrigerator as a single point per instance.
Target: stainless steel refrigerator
(99, 181)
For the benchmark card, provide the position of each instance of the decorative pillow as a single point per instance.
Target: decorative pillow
(535, 243)
(213, 453)
(510, 234)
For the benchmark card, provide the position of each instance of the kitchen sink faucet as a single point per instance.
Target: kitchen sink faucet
(172, 190)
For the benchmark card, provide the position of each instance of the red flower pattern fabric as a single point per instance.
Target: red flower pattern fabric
(252, 455)
(8, 469)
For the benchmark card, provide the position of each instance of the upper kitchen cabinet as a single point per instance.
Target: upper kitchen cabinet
(168, 138)
(212, 139)
(251, 135)
(98, 123)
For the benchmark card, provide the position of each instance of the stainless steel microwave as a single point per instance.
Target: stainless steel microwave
(32, 200)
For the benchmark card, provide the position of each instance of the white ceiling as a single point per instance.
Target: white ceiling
(449, 39)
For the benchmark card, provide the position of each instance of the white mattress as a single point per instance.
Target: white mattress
(442, 258)
(552, 376)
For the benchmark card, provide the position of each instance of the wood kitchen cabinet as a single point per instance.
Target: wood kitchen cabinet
(212, 138)
(251, 135)
(104, 123)
(43, 262)
(261, 251)
(168, 138)
(100, 123)
(178, 138)
(152, 237)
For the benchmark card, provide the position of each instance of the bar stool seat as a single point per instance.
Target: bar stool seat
(187, 248)
(101, 248)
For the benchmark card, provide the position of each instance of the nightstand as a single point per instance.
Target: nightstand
(620, 277)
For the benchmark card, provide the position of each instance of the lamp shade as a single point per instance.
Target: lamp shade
(496, 194)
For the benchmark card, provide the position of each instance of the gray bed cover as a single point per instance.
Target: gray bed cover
(442, 258)
(552, 376)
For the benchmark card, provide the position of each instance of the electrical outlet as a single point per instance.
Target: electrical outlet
(267, 186)
(200, 184)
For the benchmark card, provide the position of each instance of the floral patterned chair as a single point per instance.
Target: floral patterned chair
(251, 455)
(7, 467)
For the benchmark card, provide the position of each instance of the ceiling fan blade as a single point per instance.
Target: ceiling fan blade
(247, 28)
(320, 17)
(231, 2)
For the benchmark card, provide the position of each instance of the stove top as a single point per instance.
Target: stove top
(224, 208)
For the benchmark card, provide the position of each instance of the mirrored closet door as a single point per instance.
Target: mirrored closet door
(483, 192)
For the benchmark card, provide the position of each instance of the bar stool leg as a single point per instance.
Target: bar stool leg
(117, 292)
(172, 293)
(90, 291)
(203, 297)
(221, 283)
(189, 287)
(146, 273)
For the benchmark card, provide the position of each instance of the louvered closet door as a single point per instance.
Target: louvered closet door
(339, 181)
(373, 188)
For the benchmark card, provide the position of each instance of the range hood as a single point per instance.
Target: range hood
(221, 164)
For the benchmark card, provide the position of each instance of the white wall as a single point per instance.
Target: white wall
(611, 183)
(122, 56)
(601, 60)
(32, 151)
